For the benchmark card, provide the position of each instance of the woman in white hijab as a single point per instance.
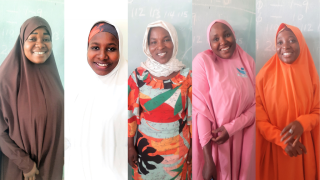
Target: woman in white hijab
(96, 145)
(159, 105)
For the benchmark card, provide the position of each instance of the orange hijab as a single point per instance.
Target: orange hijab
(285, 93)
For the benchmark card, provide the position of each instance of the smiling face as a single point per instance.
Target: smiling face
(288, 48)
(103, 53)
(160, 44)
(222, 40)
(38, 46)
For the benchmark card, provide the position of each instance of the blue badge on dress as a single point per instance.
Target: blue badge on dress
(242, 73)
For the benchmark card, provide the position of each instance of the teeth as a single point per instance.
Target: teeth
(225, 49)
(38, 52)
(162, 54)
(105, 65)
(285, 54)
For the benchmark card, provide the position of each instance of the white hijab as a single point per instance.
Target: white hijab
(154, 67)
(96, 125)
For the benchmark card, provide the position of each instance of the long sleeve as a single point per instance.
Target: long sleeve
(270, 132)
(133, 105)
(247, 118)
(244, 120)
(204, 129)
(309, 121)
(10, 149)
(201, 107)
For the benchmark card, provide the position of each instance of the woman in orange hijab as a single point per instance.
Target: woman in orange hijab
(287, 111)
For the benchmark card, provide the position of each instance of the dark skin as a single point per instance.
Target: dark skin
(223, 44)
(222, 40)
(294, 151)
(161, 48)
(159, 43)
(209, 170)
(103, 53)
(288, 50)
(38, 46)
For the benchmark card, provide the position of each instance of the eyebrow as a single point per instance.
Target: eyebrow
(163, 37)
(222, 33)
(95, 43)
(43, 33)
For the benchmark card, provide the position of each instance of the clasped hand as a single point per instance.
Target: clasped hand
(223, 136)
(291, 134)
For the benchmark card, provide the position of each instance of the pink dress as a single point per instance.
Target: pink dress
(224, 95)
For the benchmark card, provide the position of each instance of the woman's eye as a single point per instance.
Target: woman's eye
(153, 42)
(47, 40)
(112, 49)
(292, 41)
(279, 42)
(167, 40)
(216, 39)
(228, 35)
(95, 48)
(31, 39)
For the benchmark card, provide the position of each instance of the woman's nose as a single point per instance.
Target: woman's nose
(222, 41)
(40, 44)
(160, 45)
(286, 45)
(104, 55)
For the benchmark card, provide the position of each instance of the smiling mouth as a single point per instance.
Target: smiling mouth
(286, 55)
(162, 54)
(102, 64)
(39, 53)
(224, 49)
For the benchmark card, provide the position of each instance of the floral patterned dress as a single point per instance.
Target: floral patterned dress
(162, 109)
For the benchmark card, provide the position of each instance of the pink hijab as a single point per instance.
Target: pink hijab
(237, 114)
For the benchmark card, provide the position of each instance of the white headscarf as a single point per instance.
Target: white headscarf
(154, 67)
(96, 125)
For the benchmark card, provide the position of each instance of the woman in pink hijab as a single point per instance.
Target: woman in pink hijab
(223, 108)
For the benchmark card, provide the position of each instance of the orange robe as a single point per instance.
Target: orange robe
(285, 93)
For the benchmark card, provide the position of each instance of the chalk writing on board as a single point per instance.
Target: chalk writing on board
(270, 46)
(186, 53)
(4, 50)
(306, 27)
(196, 39)
(259, 18)
(239, 41)
(55, 36)
(7, 32)
(259, 5)
(222, 6)
(297, 17)
(155, 13)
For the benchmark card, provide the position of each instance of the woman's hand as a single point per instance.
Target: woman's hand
(32, 174)
(209, 170)
(132, 156)
(294, 130)
(296, 150)
(223, 137)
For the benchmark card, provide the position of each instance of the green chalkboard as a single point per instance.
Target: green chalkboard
(13, 13)
(303, 14)
(239, 14)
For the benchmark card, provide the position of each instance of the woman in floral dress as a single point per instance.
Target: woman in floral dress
(159, 105)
